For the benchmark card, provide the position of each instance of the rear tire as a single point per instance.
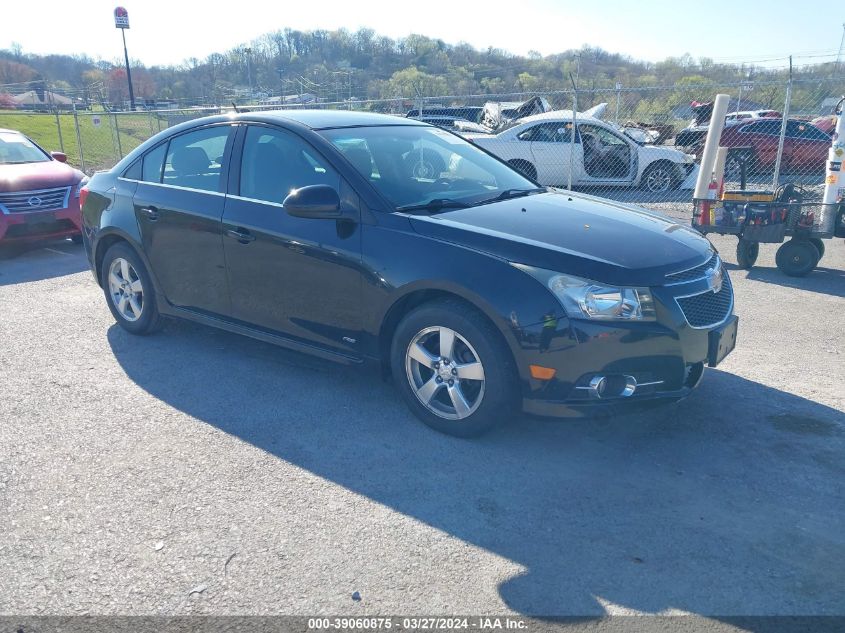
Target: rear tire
(453, 369)
(129, 290)
(796, 258)
(819, 244)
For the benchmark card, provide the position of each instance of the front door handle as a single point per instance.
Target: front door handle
(151, 213)
(242, 235)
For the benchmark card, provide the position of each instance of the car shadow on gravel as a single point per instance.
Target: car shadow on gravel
(34, 261)
(729, 502)
(828, 281)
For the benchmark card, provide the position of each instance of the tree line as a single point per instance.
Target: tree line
(339, 65)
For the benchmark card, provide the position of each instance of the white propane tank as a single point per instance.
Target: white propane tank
(834, 181)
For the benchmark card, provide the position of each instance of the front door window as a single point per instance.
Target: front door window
(606, 155)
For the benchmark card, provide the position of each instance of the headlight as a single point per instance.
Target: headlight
(80, 185)
(585, 299)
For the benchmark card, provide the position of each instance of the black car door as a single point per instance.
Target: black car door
(179, 206)
(296, 276)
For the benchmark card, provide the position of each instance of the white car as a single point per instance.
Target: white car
(751, 114)
(541, 147)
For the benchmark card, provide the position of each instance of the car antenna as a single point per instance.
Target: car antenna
(234, 105)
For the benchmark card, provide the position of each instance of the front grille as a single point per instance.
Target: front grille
(693, 273)
(37, 200)
(708, 308)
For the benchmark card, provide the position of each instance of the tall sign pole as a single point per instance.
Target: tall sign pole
(121, 21)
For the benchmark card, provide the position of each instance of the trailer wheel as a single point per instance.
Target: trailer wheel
(796, 258)
(819, 244)
(746, 253)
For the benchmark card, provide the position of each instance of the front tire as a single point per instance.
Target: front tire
(746, 253)
(129, 290)
(660, 178)
(453, 369)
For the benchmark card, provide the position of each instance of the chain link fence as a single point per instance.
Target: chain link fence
(633, 145)
(95, 140)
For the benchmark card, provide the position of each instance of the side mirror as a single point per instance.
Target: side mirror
(59, 156)
(313, 201)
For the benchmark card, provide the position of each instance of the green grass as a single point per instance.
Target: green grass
(99, 143)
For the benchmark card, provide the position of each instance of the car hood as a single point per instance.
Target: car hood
(32, 176)
(651, 153)
(574, 234)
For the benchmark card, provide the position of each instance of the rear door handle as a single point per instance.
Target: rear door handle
(151, 213)
(242, 235)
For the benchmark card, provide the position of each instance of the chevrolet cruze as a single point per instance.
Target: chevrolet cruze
(478, 291)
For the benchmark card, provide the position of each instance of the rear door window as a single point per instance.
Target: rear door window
(195, 160)
(152, 164)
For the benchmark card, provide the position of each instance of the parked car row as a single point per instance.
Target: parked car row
(755, 142)
(547, 148)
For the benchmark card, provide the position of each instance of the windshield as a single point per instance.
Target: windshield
(16, 148)
(638, 135)
(419, 165)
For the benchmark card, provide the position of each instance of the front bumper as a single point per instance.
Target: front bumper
(689, 175)
(662, 360)
(39, 225)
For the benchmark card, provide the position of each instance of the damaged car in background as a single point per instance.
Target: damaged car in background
(545, 148)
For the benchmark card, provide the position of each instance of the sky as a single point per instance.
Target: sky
(167, 32)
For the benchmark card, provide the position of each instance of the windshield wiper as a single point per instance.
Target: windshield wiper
(434, 205)
(507, 194)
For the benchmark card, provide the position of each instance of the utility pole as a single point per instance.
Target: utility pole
(248, 52)
(281, 85)
(121, 21)
(841, 44)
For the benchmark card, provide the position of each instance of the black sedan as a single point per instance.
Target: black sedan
(478, 291)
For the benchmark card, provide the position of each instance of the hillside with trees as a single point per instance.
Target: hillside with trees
(338, 65)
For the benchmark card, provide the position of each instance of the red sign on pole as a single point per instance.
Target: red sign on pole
(121, 18)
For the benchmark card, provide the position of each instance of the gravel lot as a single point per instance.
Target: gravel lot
(195, 471)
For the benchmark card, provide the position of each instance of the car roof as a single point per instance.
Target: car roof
(555, 115)
(323, 119)
(8, 131)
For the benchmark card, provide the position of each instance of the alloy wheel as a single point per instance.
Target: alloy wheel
(658, 180)
(125, 289)
(445, 373)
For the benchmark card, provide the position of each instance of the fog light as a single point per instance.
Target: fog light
(598, 385)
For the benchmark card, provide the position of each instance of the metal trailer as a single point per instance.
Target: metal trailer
(755, 220)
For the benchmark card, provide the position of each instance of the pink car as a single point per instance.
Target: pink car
(39, 193)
